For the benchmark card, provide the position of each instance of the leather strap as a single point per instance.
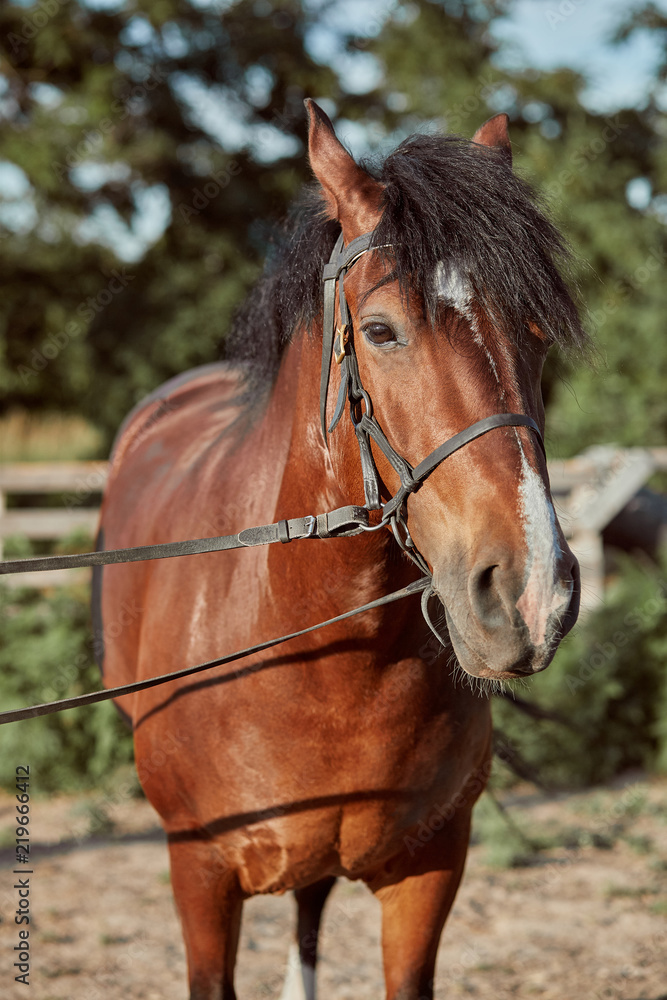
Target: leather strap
(48, 708)
(460, 440)
(343, 522)
(341, 258)
(365, 424)
(328, 329)
(476, 430)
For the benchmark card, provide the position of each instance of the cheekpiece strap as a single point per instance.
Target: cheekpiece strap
(342, 257)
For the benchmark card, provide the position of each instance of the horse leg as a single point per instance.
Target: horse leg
(209, 901)
(300, 978)
(414, 911)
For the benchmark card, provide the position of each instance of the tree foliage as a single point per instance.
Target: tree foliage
(46, 653)
(105, 113)
(602, 702)
(193, 112)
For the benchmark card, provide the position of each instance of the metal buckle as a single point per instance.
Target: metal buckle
(368, 407)
(339, 345)
(310, 524)
(398, 522)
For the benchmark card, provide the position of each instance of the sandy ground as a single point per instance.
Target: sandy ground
(586, 919)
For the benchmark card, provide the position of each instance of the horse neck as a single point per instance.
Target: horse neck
(324, 474)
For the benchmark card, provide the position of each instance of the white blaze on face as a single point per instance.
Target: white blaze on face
(453, 287)
(543, 593)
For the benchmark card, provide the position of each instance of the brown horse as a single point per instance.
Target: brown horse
(357, 751)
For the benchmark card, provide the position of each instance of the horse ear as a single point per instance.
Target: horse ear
(495, 134)
(351, 195)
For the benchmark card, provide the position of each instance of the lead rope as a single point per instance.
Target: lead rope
(48, 708)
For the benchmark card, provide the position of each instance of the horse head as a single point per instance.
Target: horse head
(451, 313)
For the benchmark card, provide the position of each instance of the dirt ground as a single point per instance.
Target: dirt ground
(584, 919)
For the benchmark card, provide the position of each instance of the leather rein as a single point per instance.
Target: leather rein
(343, 522)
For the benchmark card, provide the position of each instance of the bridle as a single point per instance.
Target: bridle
(346, 521)
(339, 342)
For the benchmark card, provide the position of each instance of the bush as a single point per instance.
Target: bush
(606, 690)
(46, 653)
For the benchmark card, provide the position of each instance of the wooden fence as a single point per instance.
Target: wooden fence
(78, 483)
(589, 491)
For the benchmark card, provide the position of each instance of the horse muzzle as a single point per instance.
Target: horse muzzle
(499, 627)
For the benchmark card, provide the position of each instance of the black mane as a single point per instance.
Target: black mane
(446, 199)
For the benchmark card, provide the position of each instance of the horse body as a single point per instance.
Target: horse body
(353, 751)
(314, 760)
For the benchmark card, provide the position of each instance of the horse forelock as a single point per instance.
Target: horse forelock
(457, 222)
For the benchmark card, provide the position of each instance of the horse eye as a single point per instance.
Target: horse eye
(379, 334)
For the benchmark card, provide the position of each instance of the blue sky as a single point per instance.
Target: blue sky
(544, 34)
(547, 34)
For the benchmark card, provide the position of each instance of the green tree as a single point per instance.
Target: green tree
(196, 110)
(593, 170)
(109, 111)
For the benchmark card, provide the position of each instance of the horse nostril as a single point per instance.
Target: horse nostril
(572, 612)
(485, 581)
(485, 596)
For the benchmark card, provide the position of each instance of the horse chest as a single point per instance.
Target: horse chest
(290, 784)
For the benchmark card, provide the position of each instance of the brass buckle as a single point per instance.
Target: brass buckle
(340, 343)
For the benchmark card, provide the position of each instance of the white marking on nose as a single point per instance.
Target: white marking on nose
(543, 593)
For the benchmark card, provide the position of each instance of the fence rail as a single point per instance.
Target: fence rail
(589, 491)
(76, 482)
